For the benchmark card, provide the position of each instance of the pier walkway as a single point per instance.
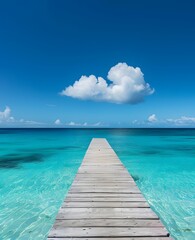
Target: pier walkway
(104, 202)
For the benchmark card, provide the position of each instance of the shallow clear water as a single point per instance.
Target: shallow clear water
(37, 166)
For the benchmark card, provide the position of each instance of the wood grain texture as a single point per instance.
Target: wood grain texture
(111, 238)
(108, 223)
(99, 204)
(109, 232)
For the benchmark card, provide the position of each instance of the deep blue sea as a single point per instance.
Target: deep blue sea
(37, 166)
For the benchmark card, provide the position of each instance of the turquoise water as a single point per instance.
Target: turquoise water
(37, 166)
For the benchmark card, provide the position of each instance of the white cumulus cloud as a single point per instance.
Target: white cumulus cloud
(152, 118)
(5, 116)
(57, 122)
(126, 85)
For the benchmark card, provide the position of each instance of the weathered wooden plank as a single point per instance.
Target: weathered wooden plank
(103, 182)
(119, 188)
(108, 162)
(109, 232)
(102, 168)
(103, 179)
(91, 204)
(102, 171)
(112, 238)
(103, 185)
(106, 184)
(90, 213)
(107, 195)
(111, 183)
(108, 223)
(106, 211)
(102, 164)
(105, 190)
(104, 199)
(111, 166)
(94, 182)
(102, 175)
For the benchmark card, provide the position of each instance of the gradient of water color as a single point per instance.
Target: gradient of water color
(37, 166)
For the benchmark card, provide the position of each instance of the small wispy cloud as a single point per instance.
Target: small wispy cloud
(72, 124)
(29, 122)
(97, 124)
(152, 118)
(182, 121)
(126, 85)
(57, 122)
(85, 124)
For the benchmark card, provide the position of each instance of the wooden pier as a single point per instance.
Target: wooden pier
(105, 203)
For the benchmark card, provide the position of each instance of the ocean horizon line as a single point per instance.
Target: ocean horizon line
(85, 128)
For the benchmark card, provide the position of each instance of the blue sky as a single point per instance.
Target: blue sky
(45, 46)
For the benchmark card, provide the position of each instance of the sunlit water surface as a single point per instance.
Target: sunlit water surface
(37, 167)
